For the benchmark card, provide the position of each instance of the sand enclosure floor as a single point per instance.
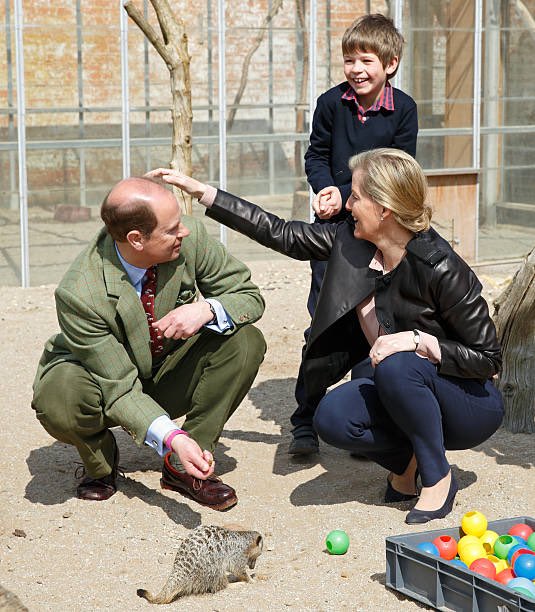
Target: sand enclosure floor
(59, 553)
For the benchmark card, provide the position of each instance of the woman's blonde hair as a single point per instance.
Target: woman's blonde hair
(395, 180)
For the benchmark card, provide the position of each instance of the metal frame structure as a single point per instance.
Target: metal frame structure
(222, 139)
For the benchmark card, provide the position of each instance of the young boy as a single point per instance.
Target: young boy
(364, 112)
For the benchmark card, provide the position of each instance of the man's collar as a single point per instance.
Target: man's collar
(135, 274)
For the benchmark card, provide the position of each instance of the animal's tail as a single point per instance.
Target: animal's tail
(165, 596)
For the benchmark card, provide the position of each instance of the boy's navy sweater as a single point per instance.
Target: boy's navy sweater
(337, 135)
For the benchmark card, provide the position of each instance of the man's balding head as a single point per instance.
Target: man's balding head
(130, 206)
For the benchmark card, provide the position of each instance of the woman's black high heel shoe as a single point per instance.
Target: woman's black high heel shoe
(392, 496)
(423, 516)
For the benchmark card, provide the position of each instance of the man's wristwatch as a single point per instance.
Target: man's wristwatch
(212, 310)
(416, 338)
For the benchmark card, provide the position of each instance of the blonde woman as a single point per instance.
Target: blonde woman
(402, 309)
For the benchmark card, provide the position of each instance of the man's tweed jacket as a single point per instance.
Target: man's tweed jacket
(104, 327)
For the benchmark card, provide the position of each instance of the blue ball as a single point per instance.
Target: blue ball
(459, 563)
(512, 551)
(522, 583)
(429, 547)
(525, 566)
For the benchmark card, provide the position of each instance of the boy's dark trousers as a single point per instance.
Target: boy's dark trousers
(306, 407)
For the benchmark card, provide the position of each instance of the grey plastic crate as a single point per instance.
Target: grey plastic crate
(438, 583)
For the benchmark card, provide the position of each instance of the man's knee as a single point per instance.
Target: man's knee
(64, 395)
(252, 346)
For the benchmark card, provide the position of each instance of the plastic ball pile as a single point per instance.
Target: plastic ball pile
(508, 558)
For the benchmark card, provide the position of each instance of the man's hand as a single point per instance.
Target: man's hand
(327, 202)
(196, 462)
(389, 344)
(174, 177)
(184, 321)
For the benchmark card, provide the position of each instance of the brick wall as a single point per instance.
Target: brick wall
(52, 82)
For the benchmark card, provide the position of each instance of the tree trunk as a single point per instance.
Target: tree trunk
(172, 46)
(514, 315)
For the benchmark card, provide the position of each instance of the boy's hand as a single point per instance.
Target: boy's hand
(327, 202)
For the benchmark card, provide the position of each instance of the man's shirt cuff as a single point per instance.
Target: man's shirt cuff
(222, 321)
(157, 431)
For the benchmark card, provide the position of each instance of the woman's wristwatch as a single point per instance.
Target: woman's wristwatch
(416, 338)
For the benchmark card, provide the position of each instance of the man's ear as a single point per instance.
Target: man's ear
(135, 239)
(392, 65)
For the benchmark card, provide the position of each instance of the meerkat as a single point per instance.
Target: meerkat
(205, 558)
(10, 602)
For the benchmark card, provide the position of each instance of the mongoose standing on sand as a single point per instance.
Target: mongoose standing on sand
(10, 602)
(203, 560)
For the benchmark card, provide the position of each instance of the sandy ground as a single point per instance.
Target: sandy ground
(59, 553)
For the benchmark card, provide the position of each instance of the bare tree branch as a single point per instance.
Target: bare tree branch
(277, 5)
(138, 18)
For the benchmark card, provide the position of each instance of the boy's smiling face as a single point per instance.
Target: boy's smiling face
(367, 75)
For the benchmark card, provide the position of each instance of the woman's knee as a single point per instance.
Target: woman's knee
(340, 417)
(399, 370)
(326, 421)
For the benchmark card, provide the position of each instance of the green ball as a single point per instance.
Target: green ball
(531, 541)
(337, 542)
(523, 591)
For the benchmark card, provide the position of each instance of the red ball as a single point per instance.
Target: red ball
(505, 575)
(521, 530)
(484, 567)
(447, 546)
(517, 553)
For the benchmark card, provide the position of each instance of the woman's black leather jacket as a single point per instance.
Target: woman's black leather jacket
(432, 289)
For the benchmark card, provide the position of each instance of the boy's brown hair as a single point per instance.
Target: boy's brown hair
(377, 34)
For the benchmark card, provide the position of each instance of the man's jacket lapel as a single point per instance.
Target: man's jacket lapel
(129, 309)
(169, 281)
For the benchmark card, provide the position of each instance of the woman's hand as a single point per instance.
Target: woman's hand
(186, 183)
(391, 343)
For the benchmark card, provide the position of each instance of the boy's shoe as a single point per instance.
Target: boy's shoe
(305, 441)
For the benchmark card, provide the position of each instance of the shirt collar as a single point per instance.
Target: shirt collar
(385, 100)
(377, 262)
(135, 274)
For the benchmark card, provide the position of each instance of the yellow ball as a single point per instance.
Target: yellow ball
(467, 539)
(488, 539)
(472, 551)
(499, 564)
(474, 523)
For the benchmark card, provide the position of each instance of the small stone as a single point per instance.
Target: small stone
(19, 533)
(67, 514)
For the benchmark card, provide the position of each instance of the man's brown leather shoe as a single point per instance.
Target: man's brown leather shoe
(212, 492)
(99, 489)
